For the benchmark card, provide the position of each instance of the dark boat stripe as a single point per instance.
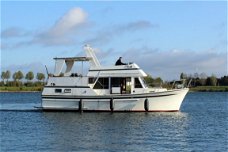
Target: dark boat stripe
(63, 87)
(116, 111)
(114, 69)
(102, 97)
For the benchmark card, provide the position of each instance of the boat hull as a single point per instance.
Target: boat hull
(167, 101)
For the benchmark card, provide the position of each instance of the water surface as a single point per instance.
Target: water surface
(200, 126)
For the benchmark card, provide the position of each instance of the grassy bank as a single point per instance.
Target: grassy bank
(210, 89)
(20, 89)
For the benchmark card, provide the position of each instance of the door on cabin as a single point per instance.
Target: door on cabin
(120, 85)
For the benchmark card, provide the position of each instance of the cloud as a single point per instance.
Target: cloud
(4, 46)
(68, 29)
(105, 36)
(106, 11)
(102, 55)
(134, 26)
(46, 40)
(13, 32)
(169, 64)
(60, 33)
(68, 23)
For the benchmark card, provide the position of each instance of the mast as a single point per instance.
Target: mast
(90, 53)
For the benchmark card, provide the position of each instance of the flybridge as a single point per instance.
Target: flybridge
(95, 67)
(131, 70)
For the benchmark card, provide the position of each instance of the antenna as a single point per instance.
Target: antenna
(47, 73)
(90, 53)
(46, 70)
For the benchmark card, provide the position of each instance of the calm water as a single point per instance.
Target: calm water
(202, 125)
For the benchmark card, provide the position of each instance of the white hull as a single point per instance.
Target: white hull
(151, 102)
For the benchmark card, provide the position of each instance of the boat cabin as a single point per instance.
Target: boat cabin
(123, 79)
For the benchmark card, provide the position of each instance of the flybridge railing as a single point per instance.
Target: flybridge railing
(178, 85)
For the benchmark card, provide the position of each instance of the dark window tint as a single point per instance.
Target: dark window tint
(137, 83)
(58, 90)
(92, 80)
(102, 83)
(115, 82)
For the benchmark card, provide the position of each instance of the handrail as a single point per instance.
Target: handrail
(96, 79)
(173, 84)
(189, 83)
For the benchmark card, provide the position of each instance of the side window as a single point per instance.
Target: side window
(58, 90)
(91, 80)
(67, 90)
(115, 82)
(102, 83)
(137, 83)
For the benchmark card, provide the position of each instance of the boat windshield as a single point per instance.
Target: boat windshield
(144, 82)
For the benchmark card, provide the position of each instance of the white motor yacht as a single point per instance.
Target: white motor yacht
(105, 88)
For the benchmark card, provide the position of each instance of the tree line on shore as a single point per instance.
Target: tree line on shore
(18, 78)
(191, 80)
(202, 79)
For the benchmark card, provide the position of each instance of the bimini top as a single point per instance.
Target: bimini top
(59, 64)
(74, 59)
(69, 61)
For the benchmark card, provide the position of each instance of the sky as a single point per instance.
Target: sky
(164, 38)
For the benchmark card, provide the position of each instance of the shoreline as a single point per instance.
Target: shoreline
(21, 89)
(5, 91)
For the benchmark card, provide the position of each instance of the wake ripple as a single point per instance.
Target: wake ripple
(20, 107)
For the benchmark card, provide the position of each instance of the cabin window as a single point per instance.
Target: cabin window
(102, 83)
(92, 80)
(67, 90)
(137, 83)
(115, 82)
(58, 90)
